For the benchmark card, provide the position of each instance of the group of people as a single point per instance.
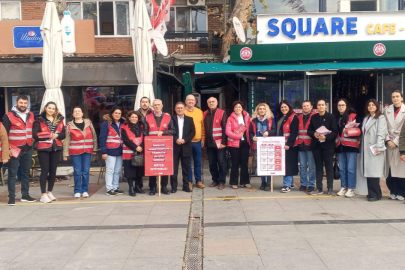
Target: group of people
(379, 139)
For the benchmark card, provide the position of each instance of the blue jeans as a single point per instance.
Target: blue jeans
(347, 164)
(287, 180)
(197, 162)
(307, 161)
(81, 172)
(24, 161)
(264, 179)
(113, 167)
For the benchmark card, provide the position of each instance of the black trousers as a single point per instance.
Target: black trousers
(153, 181)
(217, 161)
(321, 157)
(185, 169)
(49, 163)
(133, 174)
(396, 185)
(374, 189)
(239, 157)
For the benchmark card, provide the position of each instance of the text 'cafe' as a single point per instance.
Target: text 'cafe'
(356, 55)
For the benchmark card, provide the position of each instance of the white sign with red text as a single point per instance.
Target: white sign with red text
(271, 156)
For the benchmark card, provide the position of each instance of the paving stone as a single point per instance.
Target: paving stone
(75, 264)
(228, 232)
(154, 263)
(226, 247)
(145, 248)
(233, 263)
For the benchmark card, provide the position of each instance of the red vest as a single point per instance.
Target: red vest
(269, 124)
(303, 131)
(153, 128)
(45, 128)
(20, 133)
(216, 125)
(80, 143)
(287, 126)
(351, 141)
(113, 138)
(126, 151)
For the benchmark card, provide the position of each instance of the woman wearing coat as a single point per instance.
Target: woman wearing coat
(395, 169)
(372, 166)
(238, 145)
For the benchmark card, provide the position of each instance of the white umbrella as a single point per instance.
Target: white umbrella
(52, 59)
(141, 44)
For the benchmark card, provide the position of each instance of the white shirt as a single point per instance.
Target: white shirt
(180, 121)
(368, 120)
(241, 121)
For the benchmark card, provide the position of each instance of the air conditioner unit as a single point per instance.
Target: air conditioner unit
(195, 2)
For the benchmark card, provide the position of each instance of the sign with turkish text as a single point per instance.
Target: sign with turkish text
(271, 156)
(158, 155)
(27, 37)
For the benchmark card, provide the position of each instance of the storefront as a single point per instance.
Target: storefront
(356, 56)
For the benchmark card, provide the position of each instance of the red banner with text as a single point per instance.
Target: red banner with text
(158, 155)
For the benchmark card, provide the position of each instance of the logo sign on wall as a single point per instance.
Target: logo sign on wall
(379, 49)
(27, 37)
(246, 53)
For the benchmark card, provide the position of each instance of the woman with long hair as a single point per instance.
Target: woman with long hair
(261, 126)
(132, 138)
(347, 148)
(48, 132)
(80, 144)
(373, 149)
(287, 126)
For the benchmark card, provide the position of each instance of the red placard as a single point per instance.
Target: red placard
(158, 155)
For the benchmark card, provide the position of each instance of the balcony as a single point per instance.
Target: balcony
(194, 42)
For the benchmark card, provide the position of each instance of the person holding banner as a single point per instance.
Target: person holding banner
(132, 138)
(261, 126)
(287, 126)
(237, 130)
(216, 141)
(80, 143)
(347, 146)
(158, 124)
(48, 132)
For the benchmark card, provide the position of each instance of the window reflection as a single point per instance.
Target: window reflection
(285, 6)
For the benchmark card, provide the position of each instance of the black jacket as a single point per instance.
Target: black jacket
(208, 123)
(329, 121)
(37, 128)
(293, 130)
(137, 129)
(188, 135)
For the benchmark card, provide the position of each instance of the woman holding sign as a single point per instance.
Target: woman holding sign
(132, 138)
(237, 130)
(261, 126)
(48, 132)
(373, 148)
(287, 126)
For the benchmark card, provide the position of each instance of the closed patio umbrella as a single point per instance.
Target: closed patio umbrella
(141, 44)
(52, 59)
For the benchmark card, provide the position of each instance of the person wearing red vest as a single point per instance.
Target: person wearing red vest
(216, 141)
(80, 143)
(262, 125)
(159, 124)
(303, 142)
(287, 126)
(48, 132)
(18, 123)
(346, 148)
(132, 138)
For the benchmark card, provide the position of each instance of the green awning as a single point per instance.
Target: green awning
(201, 68)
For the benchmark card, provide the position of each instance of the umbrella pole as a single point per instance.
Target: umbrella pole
(159, 179)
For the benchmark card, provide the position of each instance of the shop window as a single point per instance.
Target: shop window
(267, 92)
(294, 90)
(111, 18)
(333, 5)
(363, 5)
(390, 82)
(389, 5)
(319, 87)
(34, 94)
(187, 19)
(283, 6)
(10, 11)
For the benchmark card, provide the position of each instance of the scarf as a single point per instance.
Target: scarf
(261, 125)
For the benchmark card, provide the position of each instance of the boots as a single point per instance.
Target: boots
(132, 192)
(139, 190)
(262, 186)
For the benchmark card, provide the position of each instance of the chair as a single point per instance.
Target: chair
(203, 42)
(102, 168)
(214, 43)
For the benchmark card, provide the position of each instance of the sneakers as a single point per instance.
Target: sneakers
(316, 191)
(109, 193)
(350, 193)
(51, 197)
(27, 198)
(331, 192)
(234, 186)
(342, 192)
(400, 198)
(303, 188)
(310, 189)
(119, 191)
(11, 202)
(85, 195)
(45, 199)
(285, 189)
(392, 197)
(77, 195)
(292, 185)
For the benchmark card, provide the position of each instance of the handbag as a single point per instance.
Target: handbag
(336, 170)
(137, 160)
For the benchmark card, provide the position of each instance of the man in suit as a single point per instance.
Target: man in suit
(183, 149)
(323, 146)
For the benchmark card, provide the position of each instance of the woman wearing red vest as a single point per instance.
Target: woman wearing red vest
(48, 132)
(287, 126)
(80, 144)
(262, 126)
(237, 130)
(132, 138)
(346, 148)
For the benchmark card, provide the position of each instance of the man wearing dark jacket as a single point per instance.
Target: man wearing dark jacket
(183, 149)
(145, 108)
(215, 141)
(323, 146)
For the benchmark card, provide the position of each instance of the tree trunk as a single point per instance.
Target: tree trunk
(242, 10)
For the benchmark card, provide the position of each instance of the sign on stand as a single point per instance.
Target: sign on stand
(271, 157)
